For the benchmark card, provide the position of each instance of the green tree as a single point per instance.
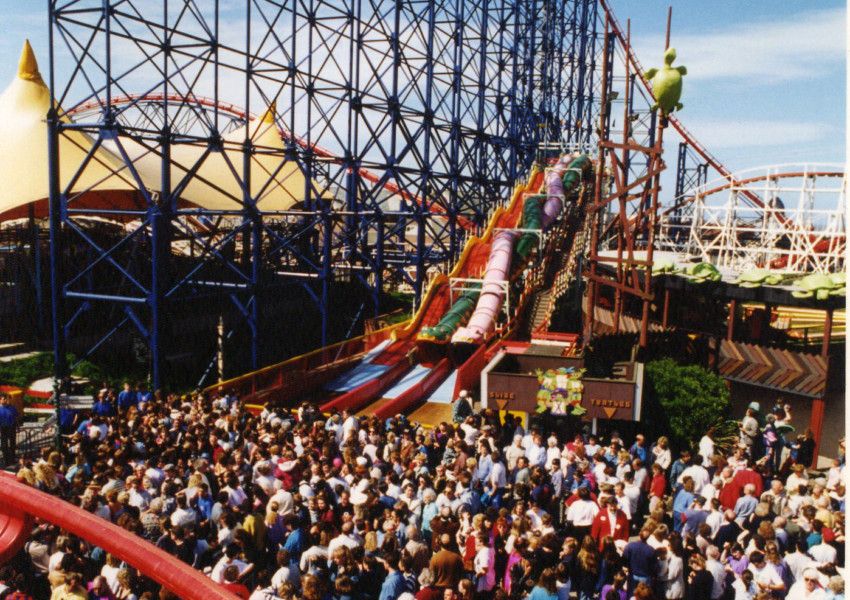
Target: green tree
(685, 401)
(22, 372)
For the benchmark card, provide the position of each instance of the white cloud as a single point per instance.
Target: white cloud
(757, 133)
(806, 45)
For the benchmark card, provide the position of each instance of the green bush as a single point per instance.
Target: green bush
(684, 401)
(23, 372)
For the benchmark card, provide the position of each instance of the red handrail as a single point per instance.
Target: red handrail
(18, 499)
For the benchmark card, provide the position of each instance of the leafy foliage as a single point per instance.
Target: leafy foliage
(686, 401)
(23, 372)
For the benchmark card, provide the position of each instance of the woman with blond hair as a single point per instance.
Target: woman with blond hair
(588, 566)
(45, 478)
(343, 565)
(661, 453)
(124, 590)
(700, 582)
(275, 528)
(26, 475)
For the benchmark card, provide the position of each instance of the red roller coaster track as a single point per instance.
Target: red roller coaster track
(19, 503)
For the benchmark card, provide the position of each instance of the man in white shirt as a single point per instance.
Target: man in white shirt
(764, 574)
(536, 451)
(582, 512)
(155, 475)
(350, 424)
(592, 446)
(285, 502)
(470, 432)
(743, 586)
(139, 496)
(63, 545)
(264, 478)
(715, 517)
(346, 537)
(823, 553)
(498, 480)
(623, 502)
(718, 572)
(640, 474)
(183, 516)
(229, 558)
(513, 452)
(286, 570)
(706, 448)
(552, 451)
(371, 448)
(699, 474)
(632, 491)
(334, 425)
(798, 561)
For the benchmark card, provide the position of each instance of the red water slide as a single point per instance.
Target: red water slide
(395, 357)
(20, 503)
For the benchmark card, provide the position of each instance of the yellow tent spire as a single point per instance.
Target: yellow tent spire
(27, 65)
(269, 115)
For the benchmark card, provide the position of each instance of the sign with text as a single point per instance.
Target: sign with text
(612, 399)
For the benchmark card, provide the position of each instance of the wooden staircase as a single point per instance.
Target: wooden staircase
(540, 309)
(570, 240)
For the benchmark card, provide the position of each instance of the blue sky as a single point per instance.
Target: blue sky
(766, 80)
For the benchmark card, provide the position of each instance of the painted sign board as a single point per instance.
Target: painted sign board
(616, 398)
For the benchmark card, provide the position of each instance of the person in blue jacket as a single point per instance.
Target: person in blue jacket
(142, 394)
(126, 398)
(103, 407)
(394, 584)
(682, 502)
(8, 429)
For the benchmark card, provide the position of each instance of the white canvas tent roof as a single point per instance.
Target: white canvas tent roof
(107, 182)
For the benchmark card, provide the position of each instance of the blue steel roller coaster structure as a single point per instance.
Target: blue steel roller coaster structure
(402, 124)
(409, 120)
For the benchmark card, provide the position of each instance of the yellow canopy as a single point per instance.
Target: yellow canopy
(216, 182)
(23, 161)
(107, 182)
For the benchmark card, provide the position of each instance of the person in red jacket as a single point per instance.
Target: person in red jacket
(610, 521)
(748, 475)
(729, 491)
(657, 487)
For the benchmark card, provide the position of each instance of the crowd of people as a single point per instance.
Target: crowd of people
(296, 504)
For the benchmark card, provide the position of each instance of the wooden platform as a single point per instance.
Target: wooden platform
(432, 414)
